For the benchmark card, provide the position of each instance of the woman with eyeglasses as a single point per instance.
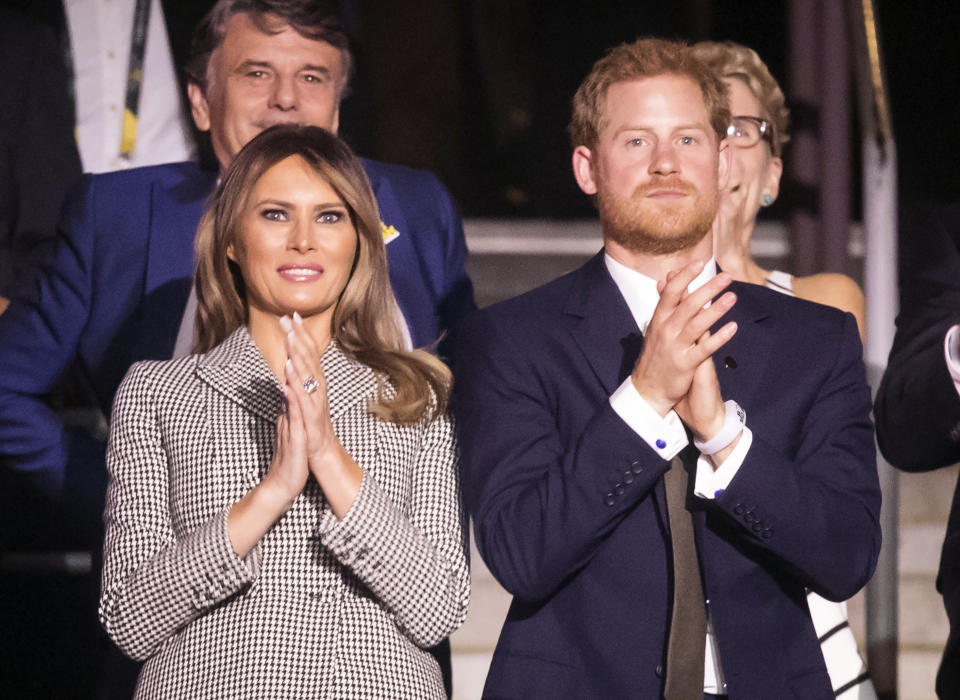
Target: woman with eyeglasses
(757, 136)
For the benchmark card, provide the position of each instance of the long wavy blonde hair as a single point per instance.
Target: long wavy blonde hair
(365, 321)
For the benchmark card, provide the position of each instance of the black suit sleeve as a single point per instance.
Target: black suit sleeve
(39, 162)
(917, 407)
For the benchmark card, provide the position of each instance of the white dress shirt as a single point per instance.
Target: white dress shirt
(640, 293)
(100, 33)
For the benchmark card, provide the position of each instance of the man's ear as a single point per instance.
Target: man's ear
(199, 108)
(583, 169)
(724, 156)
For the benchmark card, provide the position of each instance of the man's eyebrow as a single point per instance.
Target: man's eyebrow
(250, 63)
(316, 68)
(693, 126)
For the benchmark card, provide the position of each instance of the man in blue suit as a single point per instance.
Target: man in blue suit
(116, 289)
(641, 565)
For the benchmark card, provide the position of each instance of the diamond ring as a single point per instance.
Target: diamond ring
(310, 385)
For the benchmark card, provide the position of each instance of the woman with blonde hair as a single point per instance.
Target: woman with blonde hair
(756, 137)
(283, 517)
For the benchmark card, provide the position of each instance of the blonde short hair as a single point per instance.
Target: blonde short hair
(731, 60)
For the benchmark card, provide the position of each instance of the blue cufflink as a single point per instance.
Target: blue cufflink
(661, 444)
(716, 494)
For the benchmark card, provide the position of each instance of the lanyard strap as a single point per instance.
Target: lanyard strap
(131, 104)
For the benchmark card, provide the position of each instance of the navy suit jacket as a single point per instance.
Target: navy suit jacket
(917, 406)
(569, 508)
(115, 290)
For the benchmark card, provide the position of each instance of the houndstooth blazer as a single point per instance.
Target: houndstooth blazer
(321, 608)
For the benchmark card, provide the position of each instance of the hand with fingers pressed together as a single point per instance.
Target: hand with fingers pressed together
(305, 390)
(675, 369)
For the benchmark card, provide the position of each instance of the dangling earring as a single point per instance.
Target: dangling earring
(766, 200)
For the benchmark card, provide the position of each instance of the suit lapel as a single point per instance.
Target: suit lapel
(603, 327)
(237, 369)
(406, 276)
(607, 335)
(174, 215)
(741, 362)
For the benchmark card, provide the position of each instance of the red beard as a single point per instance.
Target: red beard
(647, 226)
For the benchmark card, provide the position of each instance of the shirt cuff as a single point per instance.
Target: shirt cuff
(950, 353)
(709, 483)
(665, 434)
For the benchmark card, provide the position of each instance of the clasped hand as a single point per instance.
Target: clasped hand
(306, 443)
(675, 368)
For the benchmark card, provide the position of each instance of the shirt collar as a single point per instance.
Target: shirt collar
(640, 291)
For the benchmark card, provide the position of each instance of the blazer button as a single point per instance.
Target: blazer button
(628, 477)
(610, 499)
(757, 527)
(767, 534)
(739, 509)
(659, 671)
(620, 489)
(749, 517)
(636, 467)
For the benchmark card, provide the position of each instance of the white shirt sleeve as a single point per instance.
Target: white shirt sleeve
(950, 352)
(709, 483)
(665, 435)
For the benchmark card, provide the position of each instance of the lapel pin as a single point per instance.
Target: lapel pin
(729, 362)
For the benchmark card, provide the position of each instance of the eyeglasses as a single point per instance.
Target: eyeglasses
(746, 132)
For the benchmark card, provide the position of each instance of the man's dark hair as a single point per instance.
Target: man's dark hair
(312, 19)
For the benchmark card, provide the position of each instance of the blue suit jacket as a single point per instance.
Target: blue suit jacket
(115, 290)
(569, 508)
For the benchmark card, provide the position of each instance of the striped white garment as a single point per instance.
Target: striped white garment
(848, 672)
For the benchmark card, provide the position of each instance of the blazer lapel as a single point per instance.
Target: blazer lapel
(603, 327)
(741, 362)
(237, 369)
(174, 215)
(348, 381)
(414, 269)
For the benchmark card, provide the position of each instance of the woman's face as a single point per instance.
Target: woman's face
(752, 169)
(296, 243)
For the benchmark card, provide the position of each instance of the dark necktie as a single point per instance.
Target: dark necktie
(688, 624)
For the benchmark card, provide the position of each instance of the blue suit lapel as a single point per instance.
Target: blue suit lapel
(401, 256)
(742, 361)
(603, 327)
(174, 214)
(606, 334)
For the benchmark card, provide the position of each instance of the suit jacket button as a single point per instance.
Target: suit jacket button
(739, 509)
(767, 534)
(749, 517)
(620, 489)
(628, 477)
(659, 671)
(636, 467)
(757, 527)
(610, 499)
